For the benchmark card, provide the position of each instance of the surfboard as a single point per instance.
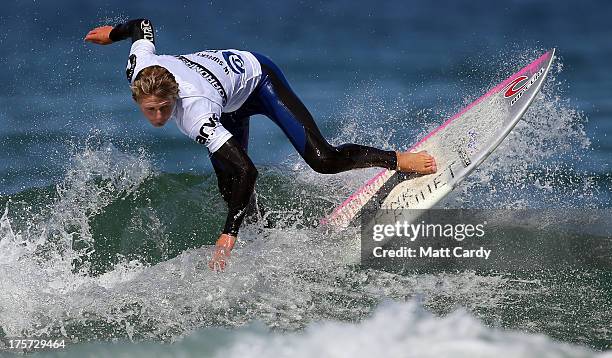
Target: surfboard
(459, 146)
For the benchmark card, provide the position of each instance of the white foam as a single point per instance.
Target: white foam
(395, 329)
(402, 330)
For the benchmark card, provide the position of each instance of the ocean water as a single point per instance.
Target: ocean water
(106, 222)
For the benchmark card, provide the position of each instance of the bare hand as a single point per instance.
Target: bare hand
(224, 246)
(100, 35)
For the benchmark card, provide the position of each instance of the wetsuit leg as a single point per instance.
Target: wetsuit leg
(282, 105)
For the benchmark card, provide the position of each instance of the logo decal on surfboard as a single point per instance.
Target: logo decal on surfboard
(465, 158)
(518, 92)
(511, 91)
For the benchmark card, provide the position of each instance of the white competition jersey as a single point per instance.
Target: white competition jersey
(210, 83)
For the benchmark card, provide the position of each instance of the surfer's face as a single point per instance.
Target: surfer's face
(157, 110)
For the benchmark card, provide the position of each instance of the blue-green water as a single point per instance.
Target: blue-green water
(106, 220)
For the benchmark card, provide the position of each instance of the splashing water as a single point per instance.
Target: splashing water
(394, 329)
(36, 262)
(285, 274)
(280, 276)
(537, 165)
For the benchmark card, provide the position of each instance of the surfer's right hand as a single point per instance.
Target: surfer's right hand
(420, 162)
(224, 246)
(100, 35)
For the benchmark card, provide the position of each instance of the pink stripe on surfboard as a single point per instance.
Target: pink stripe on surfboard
(532, 67)
(353, 196)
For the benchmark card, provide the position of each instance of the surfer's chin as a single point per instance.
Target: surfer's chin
(158, 122)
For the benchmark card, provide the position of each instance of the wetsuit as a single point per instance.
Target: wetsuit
(218, 92)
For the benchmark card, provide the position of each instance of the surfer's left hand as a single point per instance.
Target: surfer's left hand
(100, 35)
(224, 246)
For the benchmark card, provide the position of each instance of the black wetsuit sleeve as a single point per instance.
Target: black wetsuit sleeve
(135, 29)
(242, 174)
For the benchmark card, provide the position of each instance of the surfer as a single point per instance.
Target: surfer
(211, 95)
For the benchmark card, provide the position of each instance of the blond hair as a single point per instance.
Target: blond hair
(154, 81)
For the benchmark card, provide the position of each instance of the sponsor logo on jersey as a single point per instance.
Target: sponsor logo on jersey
(129, 71)
(515, 91)
(234, 61)
(207, 75)
(147, 30)
(207, 129)
(214, 59)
